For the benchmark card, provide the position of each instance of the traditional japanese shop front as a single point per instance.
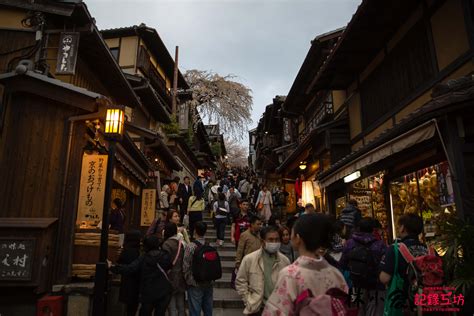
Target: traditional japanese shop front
(408, 173)
(129, 180)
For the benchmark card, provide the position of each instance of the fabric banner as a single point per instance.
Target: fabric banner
(148, 207)
(92, 190)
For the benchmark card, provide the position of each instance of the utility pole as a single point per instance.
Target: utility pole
(175, 82)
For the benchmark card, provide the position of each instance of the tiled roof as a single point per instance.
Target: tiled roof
(52, 81)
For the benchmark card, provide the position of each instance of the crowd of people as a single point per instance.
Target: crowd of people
(305, 264)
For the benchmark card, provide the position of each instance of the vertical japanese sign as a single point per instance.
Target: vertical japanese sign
(287, 130)
(92, 190)
(148, 207)
(67, 53)
(183, 116)
(16, 258)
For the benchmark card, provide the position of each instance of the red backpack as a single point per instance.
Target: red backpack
(423, 271)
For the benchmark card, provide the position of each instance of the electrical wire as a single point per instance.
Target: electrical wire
(16, 50)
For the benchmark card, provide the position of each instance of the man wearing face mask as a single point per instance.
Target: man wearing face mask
(258, 272)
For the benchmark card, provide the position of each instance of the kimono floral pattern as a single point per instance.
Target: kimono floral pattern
(305, 273)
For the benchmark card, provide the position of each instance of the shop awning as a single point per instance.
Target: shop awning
(393, 146)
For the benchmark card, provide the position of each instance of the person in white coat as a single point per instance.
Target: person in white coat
(265, 199)
(259, 270)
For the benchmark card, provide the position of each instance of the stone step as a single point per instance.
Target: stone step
(224, 282)
(212, 239)
(227, 266)
(227, 246)
(227, 311)
(213, 232)
(227, 298)
(226, 255)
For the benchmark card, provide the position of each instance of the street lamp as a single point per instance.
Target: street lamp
(303, 165)
(113, 132)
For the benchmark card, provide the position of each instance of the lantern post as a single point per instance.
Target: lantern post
(114, 123)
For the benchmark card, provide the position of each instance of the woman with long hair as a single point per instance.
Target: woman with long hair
(285, 247)
(173, 217)
(175, 248)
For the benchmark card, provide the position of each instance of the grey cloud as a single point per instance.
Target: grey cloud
(263, 42)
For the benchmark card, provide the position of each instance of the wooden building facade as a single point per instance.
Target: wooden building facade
(395, 91)
(50, 121)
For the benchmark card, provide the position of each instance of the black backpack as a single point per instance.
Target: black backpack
(206, 263)
(362, 266)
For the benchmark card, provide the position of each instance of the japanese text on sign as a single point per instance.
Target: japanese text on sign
(148, 207)
(67, 53)
(16, 257)
(91, 193)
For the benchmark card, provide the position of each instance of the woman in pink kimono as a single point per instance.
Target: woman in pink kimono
(311, 235)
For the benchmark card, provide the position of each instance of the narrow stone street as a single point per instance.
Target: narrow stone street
(226, 300)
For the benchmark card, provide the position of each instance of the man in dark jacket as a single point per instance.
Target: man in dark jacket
(198, 187)
(184, 193)
(155, 289)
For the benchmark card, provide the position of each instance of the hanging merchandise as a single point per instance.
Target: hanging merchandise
(424, 193)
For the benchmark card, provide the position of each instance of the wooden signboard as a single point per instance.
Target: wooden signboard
(148, 207)
(291, 199)
(183, 116)
(127, 182)
(92, 190)
(67, 53)
(16, 258)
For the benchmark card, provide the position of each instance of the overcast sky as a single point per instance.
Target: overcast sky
(263, 42)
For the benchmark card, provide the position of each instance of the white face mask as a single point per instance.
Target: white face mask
(272, 247)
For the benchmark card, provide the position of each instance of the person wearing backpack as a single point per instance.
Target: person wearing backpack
(258, 272)
(361, 257)
(175, 248)
(222, 211)
(413, 266)
(244, 187)
(155, 288)
(310, 285)
(200, 290)
(213, 195)
(233, 197)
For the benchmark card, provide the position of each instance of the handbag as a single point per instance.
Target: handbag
(260, 204)
(395, 298)
(195, 205)
(186, 220)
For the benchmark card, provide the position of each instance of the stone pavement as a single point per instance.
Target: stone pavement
(226, 299)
